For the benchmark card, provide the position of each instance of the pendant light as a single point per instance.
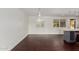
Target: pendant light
(39, 15)
(40, 22)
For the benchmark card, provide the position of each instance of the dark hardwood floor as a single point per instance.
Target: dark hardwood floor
(45, 43)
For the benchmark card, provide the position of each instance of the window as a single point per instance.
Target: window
(56, 23)
(62, 23)
(59, 23)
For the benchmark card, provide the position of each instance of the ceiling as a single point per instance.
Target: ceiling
(51, 11)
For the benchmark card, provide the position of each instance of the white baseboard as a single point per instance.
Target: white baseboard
(45, 33)
(18, 42)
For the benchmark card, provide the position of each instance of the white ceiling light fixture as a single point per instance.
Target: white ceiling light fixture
(39, 12)
(40, 22)
(39, 15)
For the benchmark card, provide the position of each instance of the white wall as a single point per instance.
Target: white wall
(13, 27)
(48, 28)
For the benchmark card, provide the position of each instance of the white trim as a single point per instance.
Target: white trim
(45, 33)
(18, 42)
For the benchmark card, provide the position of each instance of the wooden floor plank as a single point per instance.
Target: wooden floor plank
(44, 42)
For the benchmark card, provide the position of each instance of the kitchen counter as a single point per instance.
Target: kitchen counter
(69, 35)
(71, 30)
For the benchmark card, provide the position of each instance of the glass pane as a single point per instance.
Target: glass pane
(55, 23)
(62, 23)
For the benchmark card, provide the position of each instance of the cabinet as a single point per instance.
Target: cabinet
(69, 36)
